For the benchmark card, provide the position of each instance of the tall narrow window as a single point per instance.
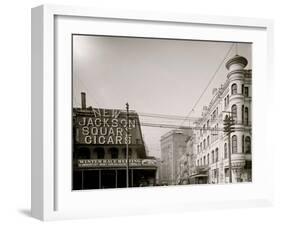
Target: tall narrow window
(204, 160)
(213, 156)
(208, 159)
(217, 154)
(208, 141)
(248, 145)
(204, 143)
(234, 111)
(234, 89)
(114, 153)
(242, 111)
(242, 89)
(227, 99)
(100, 153)
(246, 91)
(225, 150)
(243, 140)
(246, 116)
(234, 144)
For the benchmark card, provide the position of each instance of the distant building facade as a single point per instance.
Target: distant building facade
(233, 99)
(173, 147)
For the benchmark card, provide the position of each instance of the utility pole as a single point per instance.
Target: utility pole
(127, 146)
(228, 129)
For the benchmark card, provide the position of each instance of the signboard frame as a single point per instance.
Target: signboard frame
(46, 91)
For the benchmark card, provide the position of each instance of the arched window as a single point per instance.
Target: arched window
(225, 150)
(234, 144)
(129, 152)
(100, 153)
(208, 159)
(114, 153)
(246, 116)
(83, 153)
(213, 156)
(204, 143)
(204, 160)
(234, 89)
(234, 111)
(248, 145)
(208, 141)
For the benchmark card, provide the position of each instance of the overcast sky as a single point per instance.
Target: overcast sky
(152, 75)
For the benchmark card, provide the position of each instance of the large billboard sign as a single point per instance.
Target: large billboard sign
(107, 127)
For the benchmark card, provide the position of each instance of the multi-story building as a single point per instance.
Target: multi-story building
(232, 99)
(100, 139)
(173, 146)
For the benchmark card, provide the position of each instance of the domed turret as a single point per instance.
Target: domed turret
(236, 63)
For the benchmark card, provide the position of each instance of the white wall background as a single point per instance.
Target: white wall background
(15, 111)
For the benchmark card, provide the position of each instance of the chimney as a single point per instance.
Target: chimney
(83, 100)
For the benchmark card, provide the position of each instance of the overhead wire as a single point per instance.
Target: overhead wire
(208, 84)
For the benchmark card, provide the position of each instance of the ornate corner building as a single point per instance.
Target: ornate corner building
(211, 143)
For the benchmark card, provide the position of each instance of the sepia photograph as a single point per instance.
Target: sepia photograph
(160, 112)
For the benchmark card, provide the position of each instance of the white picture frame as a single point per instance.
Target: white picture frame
(52, 197)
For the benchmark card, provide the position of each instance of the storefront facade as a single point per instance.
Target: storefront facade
(100, 141)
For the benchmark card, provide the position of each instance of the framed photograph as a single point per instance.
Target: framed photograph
(136, 113)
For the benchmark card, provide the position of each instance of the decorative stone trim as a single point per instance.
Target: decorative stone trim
(238, 71)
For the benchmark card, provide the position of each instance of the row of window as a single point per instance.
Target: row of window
(206, 142)
(245, 90)
(206, 159)
(214, 115)
(245, 120)
(244, 113)
(246, 148)
(205, 145)
(85, 153)
(246, 145)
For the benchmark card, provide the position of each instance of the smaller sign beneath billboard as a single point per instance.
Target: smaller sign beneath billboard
(97, 163)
